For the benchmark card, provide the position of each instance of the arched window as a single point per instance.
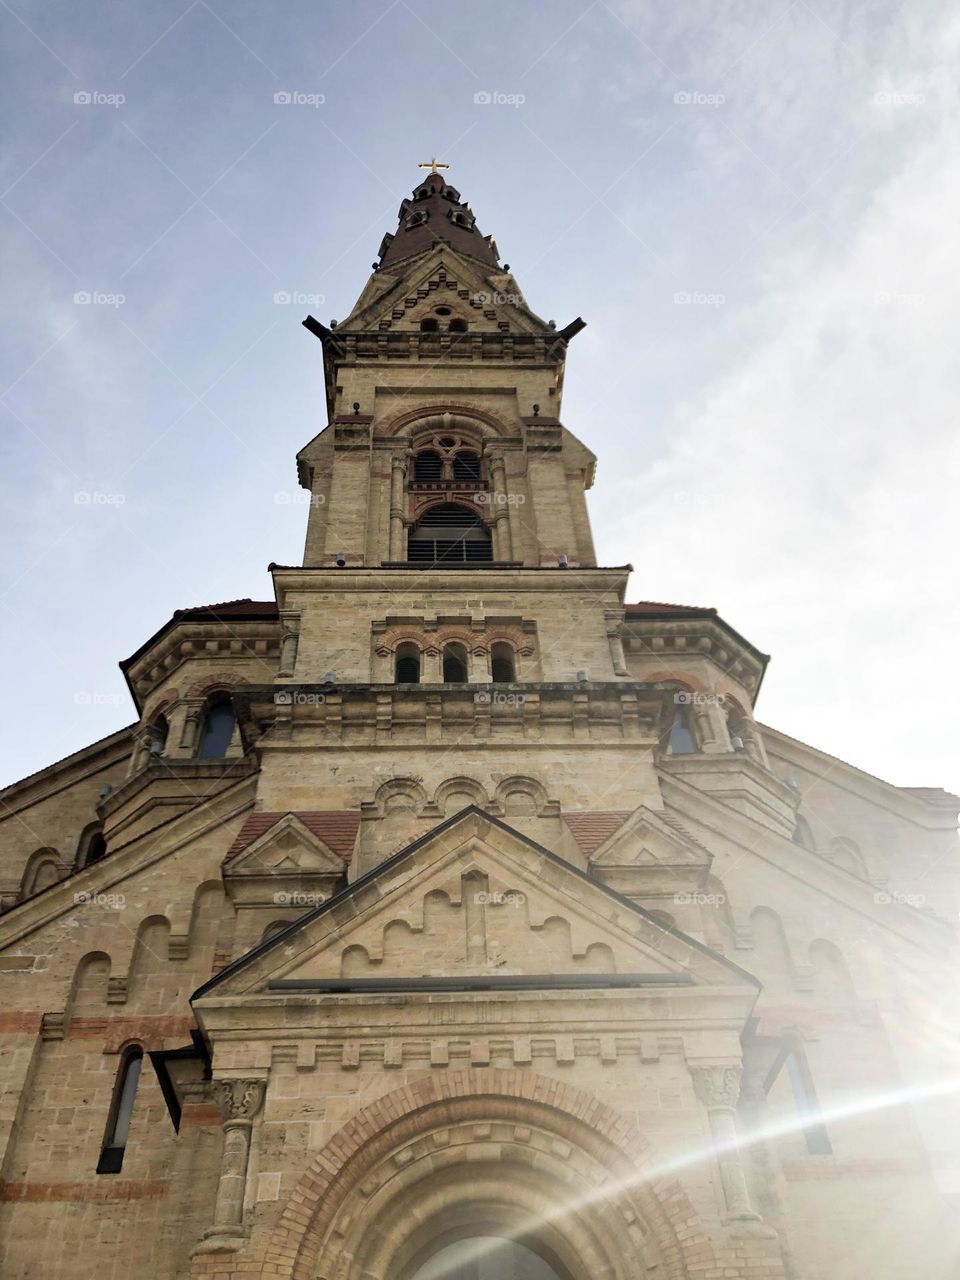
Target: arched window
(458, 326)
(157, 734)
(466, 466)
(217, 731)
(121, 1111)
(449, 532)
(91, 846)
(429, 325)
(680, 740)
(502, 663)
(407, 664)
(427, 466)
(454, 664)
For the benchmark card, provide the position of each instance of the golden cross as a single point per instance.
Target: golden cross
(433, 165)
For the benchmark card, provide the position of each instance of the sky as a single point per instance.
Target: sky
(755, 207)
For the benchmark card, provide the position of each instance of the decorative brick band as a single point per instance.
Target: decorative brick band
(20, 1023)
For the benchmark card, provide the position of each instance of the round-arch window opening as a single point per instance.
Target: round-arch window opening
(486, 1258)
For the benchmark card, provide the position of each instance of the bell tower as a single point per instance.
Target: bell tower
(444, 446)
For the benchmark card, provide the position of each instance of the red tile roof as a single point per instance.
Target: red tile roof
(245, 608)
(592, 829)
(337, 828)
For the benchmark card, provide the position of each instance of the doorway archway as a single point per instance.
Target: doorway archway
(486, 1258)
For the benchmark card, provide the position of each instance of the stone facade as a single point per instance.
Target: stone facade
(449, 897)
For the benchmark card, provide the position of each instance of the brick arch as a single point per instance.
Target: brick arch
(395, 425)
(572, 1113)
(224, 683)
(676, 676)
(162, 704)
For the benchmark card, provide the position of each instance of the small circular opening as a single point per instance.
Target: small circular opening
(442, 311)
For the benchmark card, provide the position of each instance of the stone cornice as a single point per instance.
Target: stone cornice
(848, 777)
(289, 578)
(142, 851)
(730, 826)
(236, 639)
(690, 637)
(65, 773)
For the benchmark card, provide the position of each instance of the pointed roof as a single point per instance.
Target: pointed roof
(435, 213)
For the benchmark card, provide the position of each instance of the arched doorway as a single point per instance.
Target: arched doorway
(486, 1258)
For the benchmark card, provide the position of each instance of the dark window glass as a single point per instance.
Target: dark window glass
(681, 741)
(454, 664)
(217, 731)
(121, 1111)
(458, 326)
(408, 665)
(96, 849)
(429, 325)
(502, 664)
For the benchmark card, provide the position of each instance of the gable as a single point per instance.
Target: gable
(326, 837)
(474, 898)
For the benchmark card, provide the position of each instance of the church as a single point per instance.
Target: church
(451, 915)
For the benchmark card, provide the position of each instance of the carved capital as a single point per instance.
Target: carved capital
(239, 1099)
(717, 1084)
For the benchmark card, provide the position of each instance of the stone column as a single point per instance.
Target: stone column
(617, 656)
(288, 646)
(397, 472)
(190, 728)
(717, 1085)
(711, 724)
(239, 1102)
(431, 666)
(501, 508)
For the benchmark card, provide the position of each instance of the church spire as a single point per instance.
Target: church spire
(435, 214)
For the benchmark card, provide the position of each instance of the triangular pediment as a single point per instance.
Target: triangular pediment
(288, 847)
(476, 899)
(441, 276)
(648, 839)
